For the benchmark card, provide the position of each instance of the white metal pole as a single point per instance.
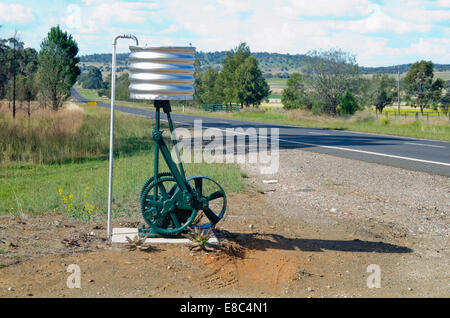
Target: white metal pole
(111, 130)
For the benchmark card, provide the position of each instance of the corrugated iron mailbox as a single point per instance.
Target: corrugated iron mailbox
(170, 202)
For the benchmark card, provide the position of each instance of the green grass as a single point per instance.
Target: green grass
(278, 96)
(33, 188)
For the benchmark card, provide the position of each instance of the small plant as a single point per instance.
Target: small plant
(67, 201)
(385, 120)
(137, 243)
(76, 211)
(244, 175)
(2, 250)
(200, 238)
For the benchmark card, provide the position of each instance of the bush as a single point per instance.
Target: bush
(348, 104)
(385, 120)
(319, 107)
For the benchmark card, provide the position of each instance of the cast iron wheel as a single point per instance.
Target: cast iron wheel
(210, 199)
(163, 214)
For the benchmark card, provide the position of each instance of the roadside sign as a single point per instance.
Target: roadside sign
(93, 104)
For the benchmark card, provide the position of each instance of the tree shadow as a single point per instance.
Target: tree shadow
(263, 242)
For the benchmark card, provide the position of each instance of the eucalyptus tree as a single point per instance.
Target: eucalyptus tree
(420, 85)
(331, 73)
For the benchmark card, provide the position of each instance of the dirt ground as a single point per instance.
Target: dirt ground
(307, 235)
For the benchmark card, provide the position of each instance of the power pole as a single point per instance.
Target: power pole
(14, 78)
(398, 89)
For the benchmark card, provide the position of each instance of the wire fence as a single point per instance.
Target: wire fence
(428, 115)
(222, 107)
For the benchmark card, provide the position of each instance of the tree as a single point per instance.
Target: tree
(226, 81)
(295, 94)
(331, 73)
(92, 79)
(206, 89)
(3, 69)
(14, 66)
(383, 91)
(122, 84)
(251, 86)
(58, 70)
(348, 105)
(29, 88)
(364, 92)
(420, 85)
(445, 102)
(436, 91)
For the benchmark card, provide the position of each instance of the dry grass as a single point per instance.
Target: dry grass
(42, 138)
(302, 115)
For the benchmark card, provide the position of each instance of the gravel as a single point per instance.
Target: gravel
(312, 186)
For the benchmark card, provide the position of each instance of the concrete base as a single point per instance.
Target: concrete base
(119, 235)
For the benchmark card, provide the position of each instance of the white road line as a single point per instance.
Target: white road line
(317, 133)
(348, 149)
(414, 143)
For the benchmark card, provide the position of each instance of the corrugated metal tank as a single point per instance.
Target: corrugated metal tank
(161, 73)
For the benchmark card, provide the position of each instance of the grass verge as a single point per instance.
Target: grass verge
(31, 185)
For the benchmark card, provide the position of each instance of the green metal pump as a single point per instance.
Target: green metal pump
(170, 203)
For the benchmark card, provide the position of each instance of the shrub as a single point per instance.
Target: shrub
(348, 104)
(319, 107)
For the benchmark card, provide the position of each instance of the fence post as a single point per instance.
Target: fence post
(417, 116)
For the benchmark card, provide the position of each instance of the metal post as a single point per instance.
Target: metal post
(111, 130)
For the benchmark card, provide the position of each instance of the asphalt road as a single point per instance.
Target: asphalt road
(429, 156)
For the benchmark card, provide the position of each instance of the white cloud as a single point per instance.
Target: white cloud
(102, 13)
(285, 26)
(319, 8)
(443, 3)
(379, 21)
(15, 12)
(171, 29)
(233, 6)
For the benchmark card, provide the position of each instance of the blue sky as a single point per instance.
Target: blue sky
(378, 33)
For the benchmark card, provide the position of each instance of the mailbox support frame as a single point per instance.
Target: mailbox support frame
(111, 130)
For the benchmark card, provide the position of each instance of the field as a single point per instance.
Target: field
(72, 154)
(444, 75)
(277, 84)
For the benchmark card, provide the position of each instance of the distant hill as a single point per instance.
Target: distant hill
(271, 64)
